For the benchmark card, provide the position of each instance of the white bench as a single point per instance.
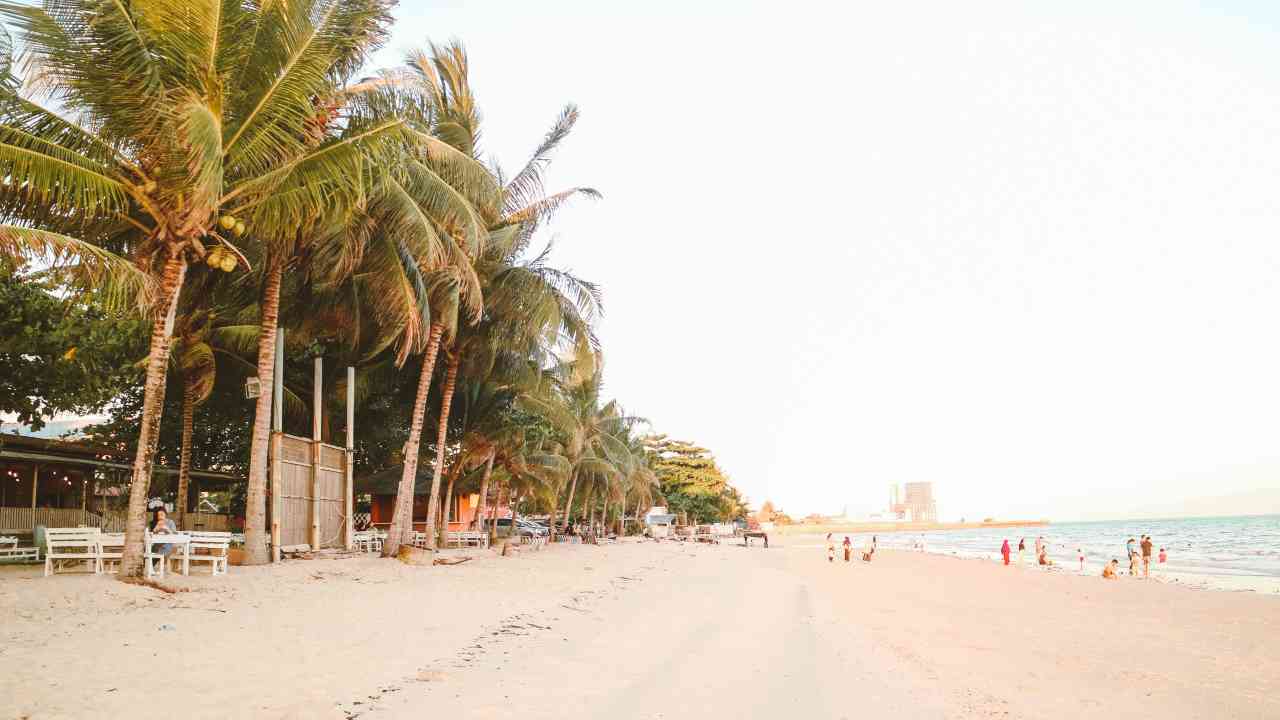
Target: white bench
(210, 547)
(71, 545)
(9, 550)
(418, 539)
(468, 537)
(369, 541)
(110, 549)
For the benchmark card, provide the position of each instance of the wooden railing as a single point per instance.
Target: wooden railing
(24, 520)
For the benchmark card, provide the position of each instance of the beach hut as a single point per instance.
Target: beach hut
(379, 489)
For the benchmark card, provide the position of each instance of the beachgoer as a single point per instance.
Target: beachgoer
(1129, 548)
(1022, 547)
(1039, 546)
(1081, 554)
(1004, 551)
(831, 549)
(163, 526)
(873, 544)
(1044, 556)
(848, 549)
(1133, 565)
(1163, 557)
(1109, 569)
(1146, 556)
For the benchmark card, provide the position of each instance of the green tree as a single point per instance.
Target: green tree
(692, 482)
(60, 352)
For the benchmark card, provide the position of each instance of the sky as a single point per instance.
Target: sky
(1026, 251)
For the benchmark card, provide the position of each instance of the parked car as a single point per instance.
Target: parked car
(523, 527)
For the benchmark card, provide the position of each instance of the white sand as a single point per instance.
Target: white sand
(638, 631)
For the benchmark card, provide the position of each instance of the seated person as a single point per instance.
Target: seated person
(1044, 557)
(1109, 570)
(163, 526)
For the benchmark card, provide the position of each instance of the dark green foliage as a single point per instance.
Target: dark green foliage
(61, 355)
(693, 483)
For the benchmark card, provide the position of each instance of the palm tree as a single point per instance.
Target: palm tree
(590, 431)
(193, 355)
(513, 215)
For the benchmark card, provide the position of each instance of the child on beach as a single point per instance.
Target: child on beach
(1109, 570)
(1080, 553)
(1004, 551)
(1163, 557)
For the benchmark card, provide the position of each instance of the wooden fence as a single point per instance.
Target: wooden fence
(24, 519)
(311, 494)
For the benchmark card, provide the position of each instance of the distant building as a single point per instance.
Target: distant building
(919, 499)
(916, 504)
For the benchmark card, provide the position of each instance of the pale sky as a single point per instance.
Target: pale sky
(1027, 251)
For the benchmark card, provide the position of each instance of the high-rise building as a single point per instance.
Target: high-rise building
(919, 499)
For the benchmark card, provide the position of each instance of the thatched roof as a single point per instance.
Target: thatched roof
(387, 482)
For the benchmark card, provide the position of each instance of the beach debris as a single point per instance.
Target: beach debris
(410, 555)
(166, 626)
(145, 582)
(451, 560)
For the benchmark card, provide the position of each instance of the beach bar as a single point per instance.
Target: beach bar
(72, 483)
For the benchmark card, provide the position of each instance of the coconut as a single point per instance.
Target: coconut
(228, 262)
(214, 257)
(239, 227)
(227, 222)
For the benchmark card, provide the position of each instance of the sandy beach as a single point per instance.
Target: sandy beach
(638, 630)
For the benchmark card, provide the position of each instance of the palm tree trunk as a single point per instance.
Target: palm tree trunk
(477, 523)
(622, 516)
(448, 501)
(446, 399)
(568, 504)
(402, 513)
(175, 270)
(184, 462)
(493, 526)
(255, 509)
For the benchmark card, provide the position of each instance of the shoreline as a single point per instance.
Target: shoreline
(1264, 585)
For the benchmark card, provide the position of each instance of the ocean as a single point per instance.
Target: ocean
(1222, 553)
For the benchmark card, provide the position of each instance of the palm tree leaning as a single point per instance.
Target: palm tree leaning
(513, 214)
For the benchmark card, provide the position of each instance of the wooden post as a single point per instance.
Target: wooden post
(35, 480)
(275, 447)
(276, 468)
(350, 506)
(317, 400)
(277, 385)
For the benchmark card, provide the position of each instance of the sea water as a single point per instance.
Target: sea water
(1228, 553)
